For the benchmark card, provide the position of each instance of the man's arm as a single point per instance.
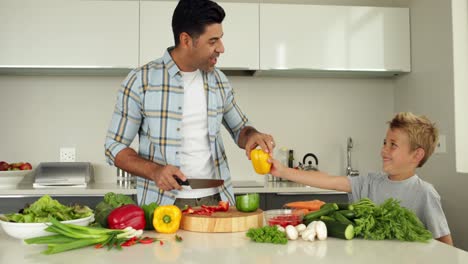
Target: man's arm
(128, 160)
(250, 138)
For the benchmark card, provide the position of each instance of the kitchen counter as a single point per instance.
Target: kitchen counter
(93, 189)
(237, 248)
(100, 188)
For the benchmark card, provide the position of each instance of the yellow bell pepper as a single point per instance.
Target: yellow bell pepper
(260, 161)
(166, 219)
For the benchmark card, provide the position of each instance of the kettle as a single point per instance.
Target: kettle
(307, 165)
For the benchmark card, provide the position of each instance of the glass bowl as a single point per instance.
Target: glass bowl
(283, 217)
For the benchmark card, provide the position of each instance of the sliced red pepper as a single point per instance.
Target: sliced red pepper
(223, 206)
(188, 210)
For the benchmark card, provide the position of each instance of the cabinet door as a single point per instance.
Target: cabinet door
(241, 43)
(155, 29)
(240, 38)
(74, 33)
(334, 38)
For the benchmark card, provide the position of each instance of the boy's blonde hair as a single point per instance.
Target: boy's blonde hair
(422, 133)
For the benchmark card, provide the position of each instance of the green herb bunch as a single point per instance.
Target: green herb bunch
(267, 234)
(388, 221)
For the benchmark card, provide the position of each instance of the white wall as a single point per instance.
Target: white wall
(429, 90)
(40, 114)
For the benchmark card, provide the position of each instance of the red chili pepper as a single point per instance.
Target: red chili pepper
(132, 241)
(146, 240)
(98, 246)
(125, 216)
(161, 243)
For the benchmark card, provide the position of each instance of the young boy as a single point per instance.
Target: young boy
(409, 142)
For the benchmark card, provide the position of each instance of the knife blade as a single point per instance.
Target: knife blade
(200, 183)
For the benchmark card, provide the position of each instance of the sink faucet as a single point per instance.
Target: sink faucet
(349, 170)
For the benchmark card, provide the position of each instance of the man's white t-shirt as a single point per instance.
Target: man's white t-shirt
(195, 154)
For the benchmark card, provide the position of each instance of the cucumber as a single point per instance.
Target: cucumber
(327, 218)
(323, 211)
(328, 205)
(341, 218)
(339, 230)
(345, 206)
(348, 213)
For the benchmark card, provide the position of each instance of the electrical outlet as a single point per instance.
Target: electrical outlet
(67, 154)
(441, 146)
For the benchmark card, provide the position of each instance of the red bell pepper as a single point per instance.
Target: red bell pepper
(127, 215)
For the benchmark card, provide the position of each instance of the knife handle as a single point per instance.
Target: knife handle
(181, 183)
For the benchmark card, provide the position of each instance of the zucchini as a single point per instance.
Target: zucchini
(345, 206)
(339, 230)
(323, 211)
(348, 213)
(341, 218)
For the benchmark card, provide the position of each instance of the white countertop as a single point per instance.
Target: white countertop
(101, 188)
(236, 248)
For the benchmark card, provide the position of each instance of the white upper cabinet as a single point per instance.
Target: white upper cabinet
(334, 38)
(68, 34)
(241, 31)
(155, 29)
(240, 28)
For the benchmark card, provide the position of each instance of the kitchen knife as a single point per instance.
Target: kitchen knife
(200, 183)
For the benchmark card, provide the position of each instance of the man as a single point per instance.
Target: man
(177, 104)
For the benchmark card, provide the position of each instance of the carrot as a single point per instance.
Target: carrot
(313, 205)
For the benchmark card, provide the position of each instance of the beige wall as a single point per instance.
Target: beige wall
(40, 114)
(429, 90)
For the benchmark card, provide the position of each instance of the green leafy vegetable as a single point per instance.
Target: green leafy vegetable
(149, 212)
(267, 234)
(110, 202)
(45, 207)
(388, 221)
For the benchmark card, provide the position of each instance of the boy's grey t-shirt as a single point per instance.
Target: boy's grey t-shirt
(414, 194)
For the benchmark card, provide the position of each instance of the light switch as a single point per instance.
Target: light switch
(441, 145)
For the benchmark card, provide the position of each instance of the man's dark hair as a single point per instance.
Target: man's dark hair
(191, 16)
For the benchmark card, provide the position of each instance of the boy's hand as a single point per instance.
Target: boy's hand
(277, 168)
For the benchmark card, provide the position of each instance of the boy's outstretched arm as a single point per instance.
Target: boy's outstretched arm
(446, 239)
(312, 178)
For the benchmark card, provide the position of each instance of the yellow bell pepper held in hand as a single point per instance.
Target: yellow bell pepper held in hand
(260, 161)
(166, 219)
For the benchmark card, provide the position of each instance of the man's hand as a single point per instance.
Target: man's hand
(250, 138)
(163, 176)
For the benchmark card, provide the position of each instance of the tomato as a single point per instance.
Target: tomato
(248, 202)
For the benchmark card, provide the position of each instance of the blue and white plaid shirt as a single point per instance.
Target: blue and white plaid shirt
(150, 104)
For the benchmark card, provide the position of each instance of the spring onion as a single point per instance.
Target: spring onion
(70, 236)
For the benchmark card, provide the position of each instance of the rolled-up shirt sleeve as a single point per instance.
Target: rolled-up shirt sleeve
(126, 118)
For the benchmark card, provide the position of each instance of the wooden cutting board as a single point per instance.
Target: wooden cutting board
(222, 222)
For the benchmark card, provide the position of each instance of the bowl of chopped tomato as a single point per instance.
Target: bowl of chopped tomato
(283, 217)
